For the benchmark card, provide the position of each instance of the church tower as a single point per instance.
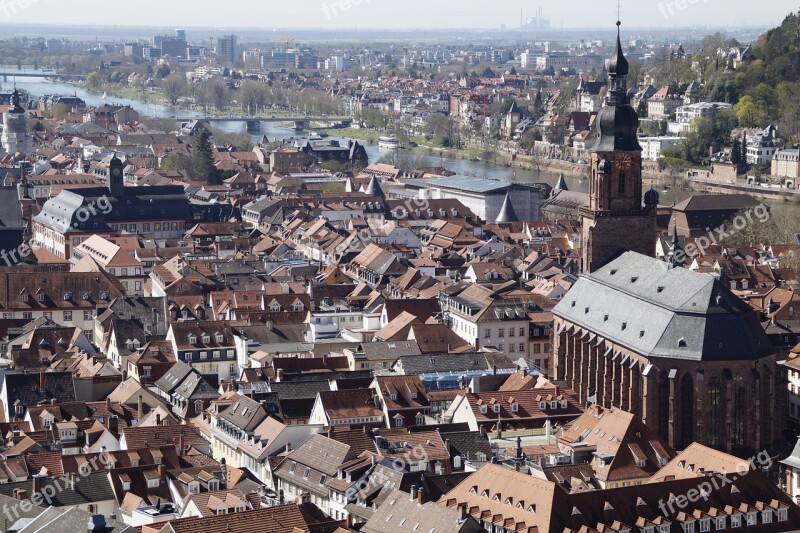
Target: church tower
(615, 220)
(16, 137)
(114, 179)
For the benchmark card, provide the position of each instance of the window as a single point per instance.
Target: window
(766, 517)
(152, 483)
(487, 334)
(522, 347)
(537, 348)
(67, 315)
(752, 519)
(736, 520)
(501, 332)
(521, 332)
(27, 315)
(306, 472)
(292, 467)
(398, 421)
(87, 315)
(48, 315)
(496, 408)
(8, 316)
(705, 525)
(40, 297)
(719, 522)
(25, 297)
(511, 332)
(514, 407)
(483, 409)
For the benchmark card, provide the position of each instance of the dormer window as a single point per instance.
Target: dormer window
(126, 485)
(40, 297)
(25, 297)
(86, 296)
(483, 409)
(192, 339)
(497, 408)
(206, 338)
(104, 296)
(393, 397)
(194, 487)
(514, 407)
(67, 296)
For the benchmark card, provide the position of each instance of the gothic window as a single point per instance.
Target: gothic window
(714, 408)
(739, 407)
(663, 406)
(687, 411)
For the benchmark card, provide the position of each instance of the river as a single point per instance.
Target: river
(41, 86)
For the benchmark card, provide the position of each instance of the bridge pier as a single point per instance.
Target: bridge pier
(301, 124)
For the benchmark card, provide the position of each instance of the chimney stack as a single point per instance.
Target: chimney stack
(139, 406)
(158, 419)
(462, 507)
(180, 444)
(413, 492)
(108, 404)
(494, 370)
(41, 381)
(421, 495)
(279, 375)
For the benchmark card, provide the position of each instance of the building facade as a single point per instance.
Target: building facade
(674, 347)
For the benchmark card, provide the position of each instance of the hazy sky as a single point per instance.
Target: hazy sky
(393, 13)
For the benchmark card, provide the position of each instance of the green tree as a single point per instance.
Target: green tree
(203, 158)
(93, 81)
(177, 161)
(736, 152)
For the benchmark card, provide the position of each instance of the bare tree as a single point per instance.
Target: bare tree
(218, 94)
(174, 86)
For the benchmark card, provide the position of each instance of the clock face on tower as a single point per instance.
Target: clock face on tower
(116, 173)
(624, 161)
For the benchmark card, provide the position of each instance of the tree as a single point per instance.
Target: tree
(217, 93)
(203, 158)
(177, 161)
(174, 87)
(252, 96)
(93, 81)
(736, 152)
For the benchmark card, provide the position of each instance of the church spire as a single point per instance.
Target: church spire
(672, 258)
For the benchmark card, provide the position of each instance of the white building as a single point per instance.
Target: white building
(685, 114)
(653, 146)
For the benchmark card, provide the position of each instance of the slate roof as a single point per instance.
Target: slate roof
(87, 489)
(25, 388)
(641, 303)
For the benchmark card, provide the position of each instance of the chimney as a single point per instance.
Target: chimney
(20, 494)
(161, 472)
(108, 404)
(279, 375)
(158, 419)
(139, 406)
(113, 424)
(494, 370)
(53, 402)
(414, 492)
(449, 463)
(41, 381)
(39, 483)
(180, 444)
(330, 432)
(462, 507)
(288, 447)
(421, 496)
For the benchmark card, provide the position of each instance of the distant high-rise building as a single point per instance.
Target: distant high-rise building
(171, 46)
(227, 48)
(180, 34)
